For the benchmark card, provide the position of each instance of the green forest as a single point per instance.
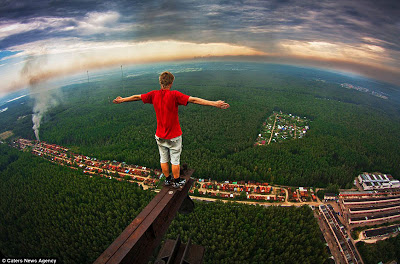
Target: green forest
(350, 132)
(49, 210)
(381, 251)
(238, 233)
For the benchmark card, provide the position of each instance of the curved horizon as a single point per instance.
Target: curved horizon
(40, 41)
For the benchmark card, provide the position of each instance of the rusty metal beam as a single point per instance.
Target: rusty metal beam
(139, 239)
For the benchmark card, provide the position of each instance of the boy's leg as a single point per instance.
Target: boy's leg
(165, 169)
(164, 159)
(175, 152)
(175, 155)
(176, 170)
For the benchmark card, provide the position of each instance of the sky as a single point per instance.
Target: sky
(41, 40)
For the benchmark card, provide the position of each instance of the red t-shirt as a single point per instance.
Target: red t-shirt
(166, 104)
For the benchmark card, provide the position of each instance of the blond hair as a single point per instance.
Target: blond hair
(166, 78)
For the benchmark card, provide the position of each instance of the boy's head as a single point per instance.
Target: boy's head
(166, 78)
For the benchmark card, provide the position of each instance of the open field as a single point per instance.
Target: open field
(6, 134)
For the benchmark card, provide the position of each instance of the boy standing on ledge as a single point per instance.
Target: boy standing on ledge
(169, 133)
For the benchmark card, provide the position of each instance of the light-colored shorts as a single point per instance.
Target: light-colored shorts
(170, 149)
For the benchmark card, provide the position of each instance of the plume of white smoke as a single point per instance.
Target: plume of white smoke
(43, 96)
(43, 100)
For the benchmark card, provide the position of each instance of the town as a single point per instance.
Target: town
(364, 90)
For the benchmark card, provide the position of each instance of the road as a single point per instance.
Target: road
(272, 131)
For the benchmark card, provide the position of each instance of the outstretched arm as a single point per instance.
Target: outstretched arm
(219, 104)
(120, 99)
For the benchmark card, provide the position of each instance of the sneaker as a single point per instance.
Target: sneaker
(178, 182)
(168, 180)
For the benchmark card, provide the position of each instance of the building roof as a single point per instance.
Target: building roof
(356, 193)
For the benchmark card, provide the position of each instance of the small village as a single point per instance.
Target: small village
(280, 127)
(148, 178)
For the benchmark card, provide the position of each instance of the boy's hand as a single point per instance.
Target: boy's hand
(221, 104)
(118, 100)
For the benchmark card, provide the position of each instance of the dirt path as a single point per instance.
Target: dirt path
(253, 202)
(272, 131)
(287, 195)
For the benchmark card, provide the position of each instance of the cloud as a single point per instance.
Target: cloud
(102, 24)
(250, 22)
(369, 54)
(26, 9)
(99, 23)
(36, 24)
